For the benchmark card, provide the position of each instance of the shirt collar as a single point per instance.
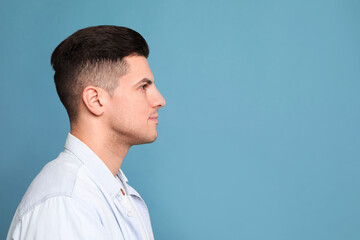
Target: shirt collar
(122, 176)
(129, 189)
(97, 167)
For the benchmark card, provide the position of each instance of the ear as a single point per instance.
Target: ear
(93, 98)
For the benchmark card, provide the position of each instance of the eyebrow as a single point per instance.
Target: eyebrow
(146, 80)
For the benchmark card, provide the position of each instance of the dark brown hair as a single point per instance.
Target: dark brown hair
(93, 56)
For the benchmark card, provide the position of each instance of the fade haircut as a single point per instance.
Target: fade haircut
(93, 56)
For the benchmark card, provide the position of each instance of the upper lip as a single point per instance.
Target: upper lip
(155, 116)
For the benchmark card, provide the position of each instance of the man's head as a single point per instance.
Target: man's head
(96, 72)
(93, 56)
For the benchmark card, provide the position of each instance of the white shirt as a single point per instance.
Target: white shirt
(76, 196)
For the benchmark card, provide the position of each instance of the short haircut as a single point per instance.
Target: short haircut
(93, 56)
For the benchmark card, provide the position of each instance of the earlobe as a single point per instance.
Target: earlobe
(92, 100)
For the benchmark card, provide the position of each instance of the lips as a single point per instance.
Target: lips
(154, 117)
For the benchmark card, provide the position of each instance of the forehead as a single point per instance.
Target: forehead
(138, 69)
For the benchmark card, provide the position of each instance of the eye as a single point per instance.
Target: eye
(143, 87)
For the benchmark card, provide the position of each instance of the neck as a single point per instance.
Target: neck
(111, 152)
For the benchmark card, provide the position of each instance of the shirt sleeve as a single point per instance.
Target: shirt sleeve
(59, 217)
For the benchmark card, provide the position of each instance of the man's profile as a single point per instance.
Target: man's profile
(104, 81)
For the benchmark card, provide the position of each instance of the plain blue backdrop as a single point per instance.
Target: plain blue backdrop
(259, 139)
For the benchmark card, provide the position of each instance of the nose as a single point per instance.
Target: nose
(158, 99)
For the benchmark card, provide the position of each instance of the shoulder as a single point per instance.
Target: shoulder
(58, 217)
(57, 178)
(55, 199)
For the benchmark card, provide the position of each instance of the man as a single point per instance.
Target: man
(105, 83)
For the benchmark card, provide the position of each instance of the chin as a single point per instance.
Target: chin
(152, 139)
(145, 139)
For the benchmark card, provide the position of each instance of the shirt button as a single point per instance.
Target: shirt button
(130, 214)
(122, 191)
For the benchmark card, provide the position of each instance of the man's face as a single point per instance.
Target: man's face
(133, 109)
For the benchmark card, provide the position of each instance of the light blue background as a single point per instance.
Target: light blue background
(260, 138)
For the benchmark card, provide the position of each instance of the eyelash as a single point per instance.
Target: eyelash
(143, 87)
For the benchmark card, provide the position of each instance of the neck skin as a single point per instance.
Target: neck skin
(111, 152)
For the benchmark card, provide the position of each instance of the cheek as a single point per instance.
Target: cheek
(120, 109)
(136, 108)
